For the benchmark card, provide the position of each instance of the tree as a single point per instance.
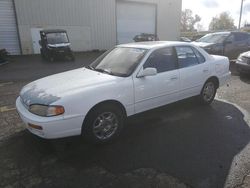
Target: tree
(222, 22)
(200, 27)
(188, 20)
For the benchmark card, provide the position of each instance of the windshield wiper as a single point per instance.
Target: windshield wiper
(104, 71)
(99, 70)
(90, 67)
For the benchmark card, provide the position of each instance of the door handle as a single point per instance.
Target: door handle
(174, 78)
(205, 70)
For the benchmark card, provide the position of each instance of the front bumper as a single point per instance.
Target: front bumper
(243, 67)
(52, 127)
(57, 52)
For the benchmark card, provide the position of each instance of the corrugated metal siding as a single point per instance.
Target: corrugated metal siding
(8, 31)
(103, 24)
(91, 24)
(53, 12)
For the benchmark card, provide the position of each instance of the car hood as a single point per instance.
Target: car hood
(246, 54)
(52, 88)
(202, 44)
(59, 45)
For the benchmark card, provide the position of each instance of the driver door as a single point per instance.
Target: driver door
(162, 88)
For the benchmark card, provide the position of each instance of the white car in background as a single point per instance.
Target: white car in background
(126, 80)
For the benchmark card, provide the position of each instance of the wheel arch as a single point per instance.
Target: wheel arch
(215, 79)
(106, 102)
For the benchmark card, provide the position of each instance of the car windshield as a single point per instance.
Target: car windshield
(214, 38)
(119, 61)
(57, 38)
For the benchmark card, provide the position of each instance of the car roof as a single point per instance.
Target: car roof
(53, 31)
(153, 44)
(228, 32)
(222, 32)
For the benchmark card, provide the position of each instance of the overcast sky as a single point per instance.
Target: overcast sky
(207, 9)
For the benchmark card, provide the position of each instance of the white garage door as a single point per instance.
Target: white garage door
(8, 29)
(134, 19)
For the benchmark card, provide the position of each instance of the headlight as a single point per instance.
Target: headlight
(46, 111)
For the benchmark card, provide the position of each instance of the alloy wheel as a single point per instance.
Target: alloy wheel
(105, 125)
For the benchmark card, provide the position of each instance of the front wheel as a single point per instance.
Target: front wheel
(103, 124)
(208, 92)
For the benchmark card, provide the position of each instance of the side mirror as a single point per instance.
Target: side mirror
(147, 72)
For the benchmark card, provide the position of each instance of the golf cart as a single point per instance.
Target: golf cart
(55, 45)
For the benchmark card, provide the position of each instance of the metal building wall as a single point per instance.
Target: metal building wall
(91, 24)
(8, 28)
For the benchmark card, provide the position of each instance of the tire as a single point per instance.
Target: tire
(242, 74)
(42, 54)
(208, 92)
(103, 124)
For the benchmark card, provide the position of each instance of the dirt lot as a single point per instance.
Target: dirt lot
(180, 145)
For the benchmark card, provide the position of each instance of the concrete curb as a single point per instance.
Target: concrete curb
(245, 182)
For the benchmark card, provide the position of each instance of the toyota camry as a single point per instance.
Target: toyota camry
(94, 101)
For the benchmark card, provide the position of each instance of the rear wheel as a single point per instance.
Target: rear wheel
(103, 124)
(208, 92)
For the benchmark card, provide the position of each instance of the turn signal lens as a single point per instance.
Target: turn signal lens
(55, 110)
(35, 126)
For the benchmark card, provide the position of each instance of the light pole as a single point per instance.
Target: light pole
(241, 7)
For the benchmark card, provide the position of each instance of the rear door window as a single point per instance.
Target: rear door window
(231, 38)
(241, 36)
(186, 56)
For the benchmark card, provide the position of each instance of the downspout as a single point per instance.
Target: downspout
(17, 26)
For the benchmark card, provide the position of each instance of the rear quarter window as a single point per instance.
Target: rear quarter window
(199, 56)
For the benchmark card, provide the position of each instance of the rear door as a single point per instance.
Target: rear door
(243, 42)
(194, 71)
(238, 43)
(161, 89)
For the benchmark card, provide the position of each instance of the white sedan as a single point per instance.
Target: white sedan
(95, 100)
